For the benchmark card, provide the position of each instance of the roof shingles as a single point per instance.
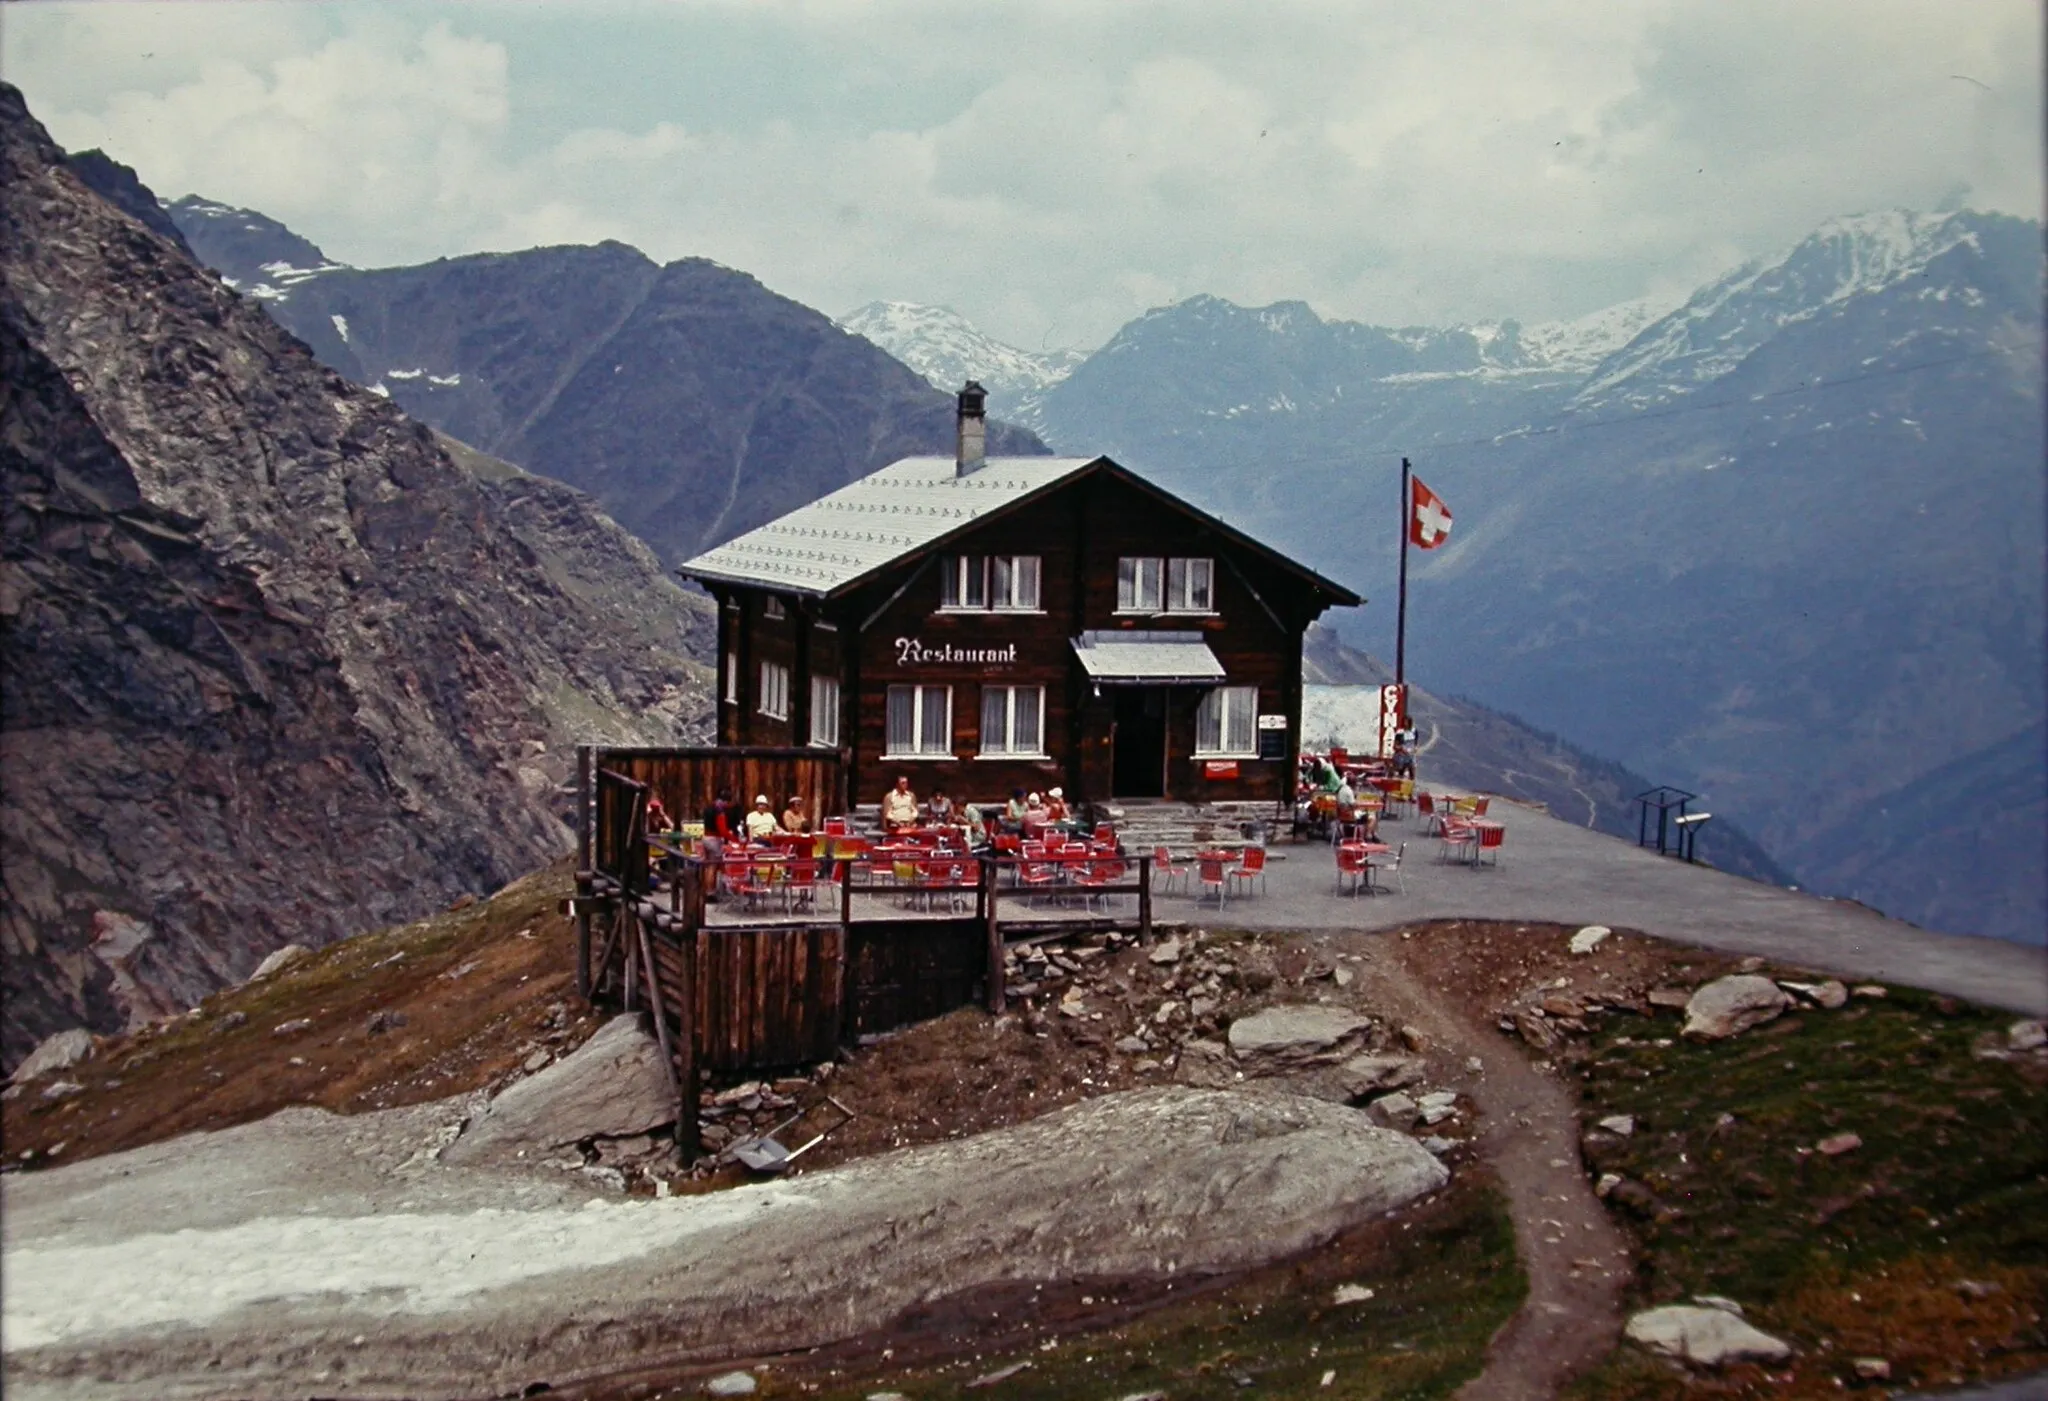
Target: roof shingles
(839, 539)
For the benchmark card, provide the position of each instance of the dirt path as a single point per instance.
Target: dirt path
(1575, 1258)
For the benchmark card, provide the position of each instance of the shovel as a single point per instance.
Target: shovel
(765, 1154)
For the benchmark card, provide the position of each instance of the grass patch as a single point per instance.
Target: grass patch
(1926, 1245)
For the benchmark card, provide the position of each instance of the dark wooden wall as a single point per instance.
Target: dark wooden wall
(1078, 531)
(912, 970)
(769, 997)
(687, 780)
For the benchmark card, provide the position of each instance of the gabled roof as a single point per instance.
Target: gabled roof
(913, 505)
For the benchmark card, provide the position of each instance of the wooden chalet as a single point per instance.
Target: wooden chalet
(982, 624)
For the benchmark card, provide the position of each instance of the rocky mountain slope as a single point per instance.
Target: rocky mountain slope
(691, 401)
(947, 349)
(1474, 747)
(1781, 545)
(279, 665)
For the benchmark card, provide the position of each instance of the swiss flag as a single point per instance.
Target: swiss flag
(1429, 520)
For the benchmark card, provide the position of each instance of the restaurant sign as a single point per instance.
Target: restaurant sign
(914, 651)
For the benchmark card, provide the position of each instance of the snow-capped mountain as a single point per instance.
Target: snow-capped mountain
(1736, 544)
(1729, 319)
(947, 349)
(250, 252)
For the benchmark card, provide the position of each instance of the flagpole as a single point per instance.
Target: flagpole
(1401, 608)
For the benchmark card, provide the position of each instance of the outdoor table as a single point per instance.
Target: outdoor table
(1367, 850)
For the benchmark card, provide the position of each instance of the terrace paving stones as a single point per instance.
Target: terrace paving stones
(1732, 1005)
(610, 1086)
(1704, 1337)
(1555, 872)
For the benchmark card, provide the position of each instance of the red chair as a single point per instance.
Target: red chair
(1490, 840)
(1213, 875)
(1093, 877)
(1037, 875)
(1105, 833)
(1460, 839)
(1479, 806)
(941, 878)
(1426, 805)
(1164, 869)
(800, 881)
(836, 827)
(1351, 863)
(1389, 865)
(1251, 866)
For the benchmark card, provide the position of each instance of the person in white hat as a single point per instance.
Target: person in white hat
(1056, 806)
(761, 821)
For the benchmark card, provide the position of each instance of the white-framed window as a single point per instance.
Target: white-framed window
(825, 710)
(732, 678)
(1001, 583)
(1139, 584)
(1191, 586)
(1173, 585)
(920, 722)
(773, 608)
(1013, 720)
(1226, 723)
(774, 694)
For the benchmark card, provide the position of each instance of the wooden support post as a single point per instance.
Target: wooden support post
(585, 893)
(994, 933)
(625, 942)
(845, 895)
(681, 1082)
(1145, 897)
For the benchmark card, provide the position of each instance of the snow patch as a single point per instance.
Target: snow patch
(380, 391)
(409, 374)
(340, 327)
(420, 1262)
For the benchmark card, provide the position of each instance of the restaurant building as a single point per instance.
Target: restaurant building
(982, 624)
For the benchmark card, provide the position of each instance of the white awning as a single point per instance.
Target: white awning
(1155, 658)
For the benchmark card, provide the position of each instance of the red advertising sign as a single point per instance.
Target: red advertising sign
(1219, 768)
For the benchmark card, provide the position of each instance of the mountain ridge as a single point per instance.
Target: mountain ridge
(280, 668)
(688, 399)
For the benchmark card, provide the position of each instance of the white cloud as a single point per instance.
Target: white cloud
(1052, 169)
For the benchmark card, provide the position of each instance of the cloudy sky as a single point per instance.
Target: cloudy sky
(1051, 168)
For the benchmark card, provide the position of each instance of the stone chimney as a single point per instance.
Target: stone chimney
(973, 438)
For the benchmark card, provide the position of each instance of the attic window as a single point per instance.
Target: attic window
(773, 608)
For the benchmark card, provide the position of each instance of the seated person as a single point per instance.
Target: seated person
(1014, 810)
(940, 810)
(977, 826)
(761, 821)
(1056, 809)
(657, 817)
(1347, 799)
(793, 818)
(899, 807)
(1034, 811)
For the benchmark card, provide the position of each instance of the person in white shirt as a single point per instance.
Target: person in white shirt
(899, 807)
(761, 823)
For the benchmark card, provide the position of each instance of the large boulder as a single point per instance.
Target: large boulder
(1732, 1005)
(452, 1298)
(1704, 1337)
(610, 1086)
(1281, 1040)
(53, 1053)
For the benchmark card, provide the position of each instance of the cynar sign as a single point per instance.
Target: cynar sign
(914, 651)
